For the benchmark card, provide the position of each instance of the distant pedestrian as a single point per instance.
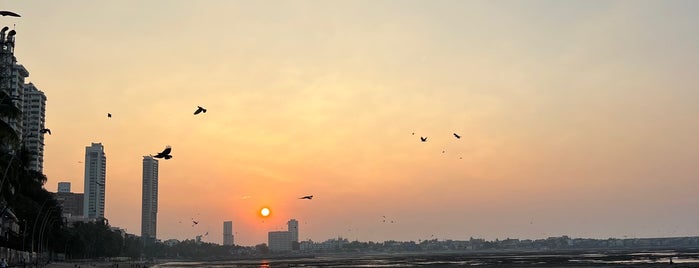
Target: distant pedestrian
(3, 263)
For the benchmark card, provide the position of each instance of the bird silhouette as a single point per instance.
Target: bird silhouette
(457, 136)
(423, 139)
(45, 130)
(309, 197)
(9, 13)
(194, 223)
(199, 110)
(109, 115)
(165, 153)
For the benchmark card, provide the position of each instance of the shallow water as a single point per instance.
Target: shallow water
(602, 259)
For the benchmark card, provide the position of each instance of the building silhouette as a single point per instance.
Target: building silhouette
(64, 187)
(29, 103)
(285, 240)
(33, 121)
(279, 241)
(227, 233)
(12, 77)
(95, 180)
(149, 205)
(293, 228)
(71, 203)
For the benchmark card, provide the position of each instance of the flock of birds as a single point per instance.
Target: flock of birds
(166, 155)
(424, 139)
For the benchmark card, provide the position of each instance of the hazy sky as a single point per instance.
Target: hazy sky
(577, 118)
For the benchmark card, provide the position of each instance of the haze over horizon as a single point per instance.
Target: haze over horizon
(576, 118)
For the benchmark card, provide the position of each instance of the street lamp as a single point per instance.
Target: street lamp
(36, 219)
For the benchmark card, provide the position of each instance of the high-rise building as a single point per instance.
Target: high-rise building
(95, 178)
(293, 227)
(227, 233)
(12, 77)
(279, 241)
(64, 187)
(33, 121)
(149, 205)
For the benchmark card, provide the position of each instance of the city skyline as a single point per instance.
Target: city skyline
(573, 118)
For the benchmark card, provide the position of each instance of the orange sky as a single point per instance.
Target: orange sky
(576, 118)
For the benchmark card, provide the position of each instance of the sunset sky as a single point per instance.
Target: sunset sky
(577, 118)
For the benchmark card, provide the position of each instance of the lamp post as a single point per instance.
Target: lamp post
(47, 218)
(36, 219)
(43, 245)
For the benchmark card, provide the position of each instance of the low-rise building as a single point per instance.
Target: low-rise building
(279, 241)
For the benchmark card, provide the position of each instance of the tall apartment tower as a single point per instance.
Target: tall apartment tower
(12, 77)
(293, 226)
(95, 177)
(33, 121)
(149, 205)
(227, 233)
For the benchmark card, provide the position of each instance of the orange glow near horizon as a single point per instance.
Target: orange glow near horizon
(590, 132)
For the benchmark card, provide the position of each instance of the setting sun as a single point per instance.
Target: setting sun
(264, 212)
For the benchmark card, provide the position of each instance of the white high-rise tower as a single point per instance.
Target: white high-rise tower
(149, 206)
(33, 121)
(95, 178)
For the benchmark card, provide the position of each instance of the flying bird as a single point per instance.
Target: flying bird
(45, 130)
(194, 223)
(309, 197)
(423, 139)
(199, 110)
(109, 115)
(9, 13)
(165, 153)
(457, 136)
